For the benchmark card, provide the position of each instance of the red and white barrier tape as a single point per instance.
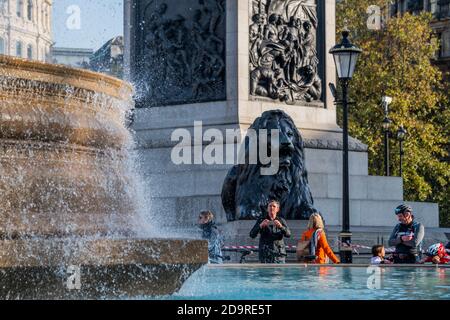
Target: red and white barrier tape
(353, 246)
(250, 247)
(358, 246)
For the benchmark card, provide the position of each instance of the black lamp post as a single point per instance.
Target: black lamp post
(387, 134)
(401, 135)
(345, 57)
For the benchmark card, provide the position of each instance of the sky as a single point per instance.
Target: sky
(86, 23)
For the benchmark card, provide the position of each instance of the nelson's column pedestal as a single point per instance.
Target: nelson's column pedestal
(225, 62)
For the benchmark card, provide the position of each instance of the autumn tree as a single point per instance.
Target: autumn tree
(397, 62)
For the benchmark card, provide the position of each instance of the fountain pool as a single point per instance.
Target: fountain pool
(298, 282)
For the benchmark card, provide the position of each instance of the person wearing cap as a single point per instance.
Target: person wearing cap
(407, 236)
(437, 254)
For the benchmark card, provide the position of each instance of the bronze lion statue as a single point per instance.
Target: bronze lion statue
(246, 192)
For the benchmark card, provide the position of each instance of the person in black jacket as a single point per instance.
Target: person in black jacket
(272, 229)
(407, 236)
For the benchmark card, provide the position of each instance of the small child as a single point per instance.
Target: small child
(378, 254)
(437, 254)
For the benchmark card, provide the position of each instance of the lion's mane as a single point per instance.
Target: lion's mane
(246, 192)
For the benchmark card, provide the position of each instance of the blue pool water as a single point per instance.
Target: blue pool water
(318, 283)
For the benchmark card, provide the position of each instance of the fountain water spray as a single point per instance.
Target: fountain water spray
(69, 191)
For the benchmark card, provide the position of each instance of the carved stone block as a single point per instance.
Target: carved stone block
(284, 62)
(178, 51)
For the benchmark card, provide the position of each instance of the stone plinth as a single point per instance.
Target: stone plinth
(183, 190)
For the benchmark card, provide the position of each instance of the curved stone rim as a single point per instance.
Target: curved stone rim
(56, 73)
(106, 268)
(27, 146)
(101, 251)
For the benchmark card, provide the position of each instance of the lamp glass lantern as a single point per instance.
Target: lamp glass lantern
(387, 124)
(401, 134)
(345, 57)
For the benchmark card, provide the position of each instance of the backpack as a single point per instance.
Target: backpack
(304, 248)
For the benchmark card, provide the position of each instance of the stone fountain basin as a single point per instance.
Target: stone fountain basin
(53, 103)
(109, 268)
(63, 151)
(68, 205)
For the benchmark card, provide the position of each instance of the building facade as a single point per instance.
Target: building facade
(26, 29)
(109, 58)
(74, 57)
(440, 24)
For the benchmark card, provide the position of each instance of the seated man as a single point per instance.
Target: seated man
(407, 236)
(272, 229)
(436, 254)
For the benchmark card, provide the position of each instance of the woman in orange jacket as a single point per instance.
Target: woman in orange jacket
(319, 245)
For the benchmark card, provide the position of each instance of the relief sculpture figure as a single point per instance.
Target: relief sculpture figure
(283, 51)
(256, 37)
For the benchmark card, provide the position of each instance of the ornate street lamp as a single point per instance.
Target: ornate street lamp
(387, 134)
(345, 57)
(401, 135)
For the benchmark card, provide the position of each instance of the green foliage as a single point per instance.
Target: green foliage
(397, 62)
